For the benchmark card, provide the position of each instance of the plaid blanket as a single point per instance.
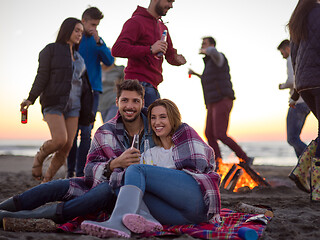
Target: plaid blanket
(227, 229)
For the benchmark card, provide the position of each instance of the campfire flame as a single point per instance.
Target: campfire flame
(245, 179)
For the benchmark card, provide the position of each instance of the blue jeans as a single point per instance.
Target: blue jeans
(99, 198)
(78, 155)
(295, 121)
(151, 94)
(172, 196)
(109, 113)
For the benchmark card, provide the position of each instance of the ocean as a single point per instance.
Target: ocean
(277, 153)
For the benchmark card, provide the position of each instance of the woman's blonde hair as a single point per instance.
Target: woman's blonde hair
(173, 113)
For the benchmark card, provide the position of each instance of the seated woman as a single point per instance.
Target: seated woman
(180, 187)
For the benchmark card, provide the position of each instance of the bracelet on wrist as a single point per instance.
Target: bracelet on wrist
(107, 171)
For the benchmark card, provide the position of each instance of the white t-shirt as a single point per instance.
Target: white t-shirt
(158, 156)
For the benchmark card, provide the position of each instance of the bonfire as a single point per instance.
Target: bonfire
(236, 176)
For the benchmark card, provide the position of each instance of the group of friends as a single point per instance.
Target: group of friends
(144, 166)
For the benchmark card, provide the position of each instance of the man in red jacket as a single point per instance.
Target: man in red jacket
(140, 42)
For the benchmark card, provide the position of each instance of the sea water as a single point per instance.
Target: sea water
(278, 153)
(20, 147)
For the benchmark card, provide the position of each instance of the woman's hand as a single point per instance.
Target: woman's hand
(25, 104)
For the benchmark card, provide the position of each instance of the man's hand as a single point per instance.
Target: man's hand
(180, 59)
(127, 158)
(203, 51)
(281, 86)
(159, 46)
(191, 72)
(95, 35)
(292, 103)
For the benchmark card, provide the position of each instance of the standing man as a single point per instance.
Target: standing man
(218, 97)
(297, 115)
(140, 42)
(94, 51)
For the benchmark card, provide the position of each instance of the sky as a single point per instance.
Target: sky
(247, 32)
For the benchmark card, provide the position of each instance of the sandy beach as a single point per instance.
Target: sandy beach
(295, 216)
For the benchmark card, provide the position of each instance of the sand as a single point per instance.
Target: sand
(295, 216)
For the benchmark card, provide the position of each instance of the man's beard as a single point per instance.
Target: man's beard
(159, 10)
(87, 33)
(130, 120)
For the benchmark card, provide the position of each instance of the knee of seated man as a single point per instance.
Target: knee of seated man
(103, 194)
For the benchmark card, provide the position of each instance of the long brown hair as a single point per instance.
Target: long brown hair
(173, 113)
(66, 30)
(299, 19)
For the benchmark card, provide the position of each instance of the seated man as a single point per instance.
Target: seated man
(110, 149)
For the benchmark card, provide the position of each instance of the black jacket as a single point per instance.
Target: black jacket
(53, 82)
(306, 55)
(216, 81)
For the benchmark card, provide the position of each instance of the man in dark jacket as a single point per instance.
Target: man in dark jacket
(218, 97)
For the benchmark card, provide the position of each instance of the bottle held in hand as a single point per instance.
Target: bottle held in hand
(24, 116)
(135, 142)
(147, 156)
(163, 38)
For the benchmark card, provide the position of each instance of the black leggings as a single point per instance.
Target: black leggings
(312, 99)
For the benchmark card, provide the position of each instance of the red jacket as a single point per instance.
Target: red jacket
(140, 32)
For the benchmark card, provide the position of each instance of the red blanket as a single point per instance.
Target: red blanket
(228, 229)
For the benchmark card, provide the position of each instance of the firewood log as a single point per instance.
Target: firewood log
(28, 225)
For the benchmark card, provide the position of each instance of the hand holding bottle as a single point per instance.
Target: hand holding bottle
(164, 39)
(159, 46)
(24, 110)
(25, 104)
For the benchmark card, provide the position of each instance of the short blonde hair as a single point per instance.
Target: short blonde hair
(173, 115)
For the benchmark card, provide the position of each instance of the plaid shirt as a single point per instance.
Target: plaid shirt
(192, 155)
(109, 142)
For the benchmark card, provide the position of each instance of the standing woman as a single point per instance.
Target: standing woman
(304, 27)
(65, 95)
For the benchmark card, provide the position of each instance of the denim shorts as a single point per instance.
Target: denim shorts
(75, 112)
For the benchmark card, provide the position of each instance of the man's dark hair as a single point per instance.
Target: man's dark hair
(285, 43)
(92, 13)
(130, 85)
(211, 40)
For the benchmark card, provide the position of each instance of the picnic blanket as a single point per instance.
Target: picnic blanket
(227, 229)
